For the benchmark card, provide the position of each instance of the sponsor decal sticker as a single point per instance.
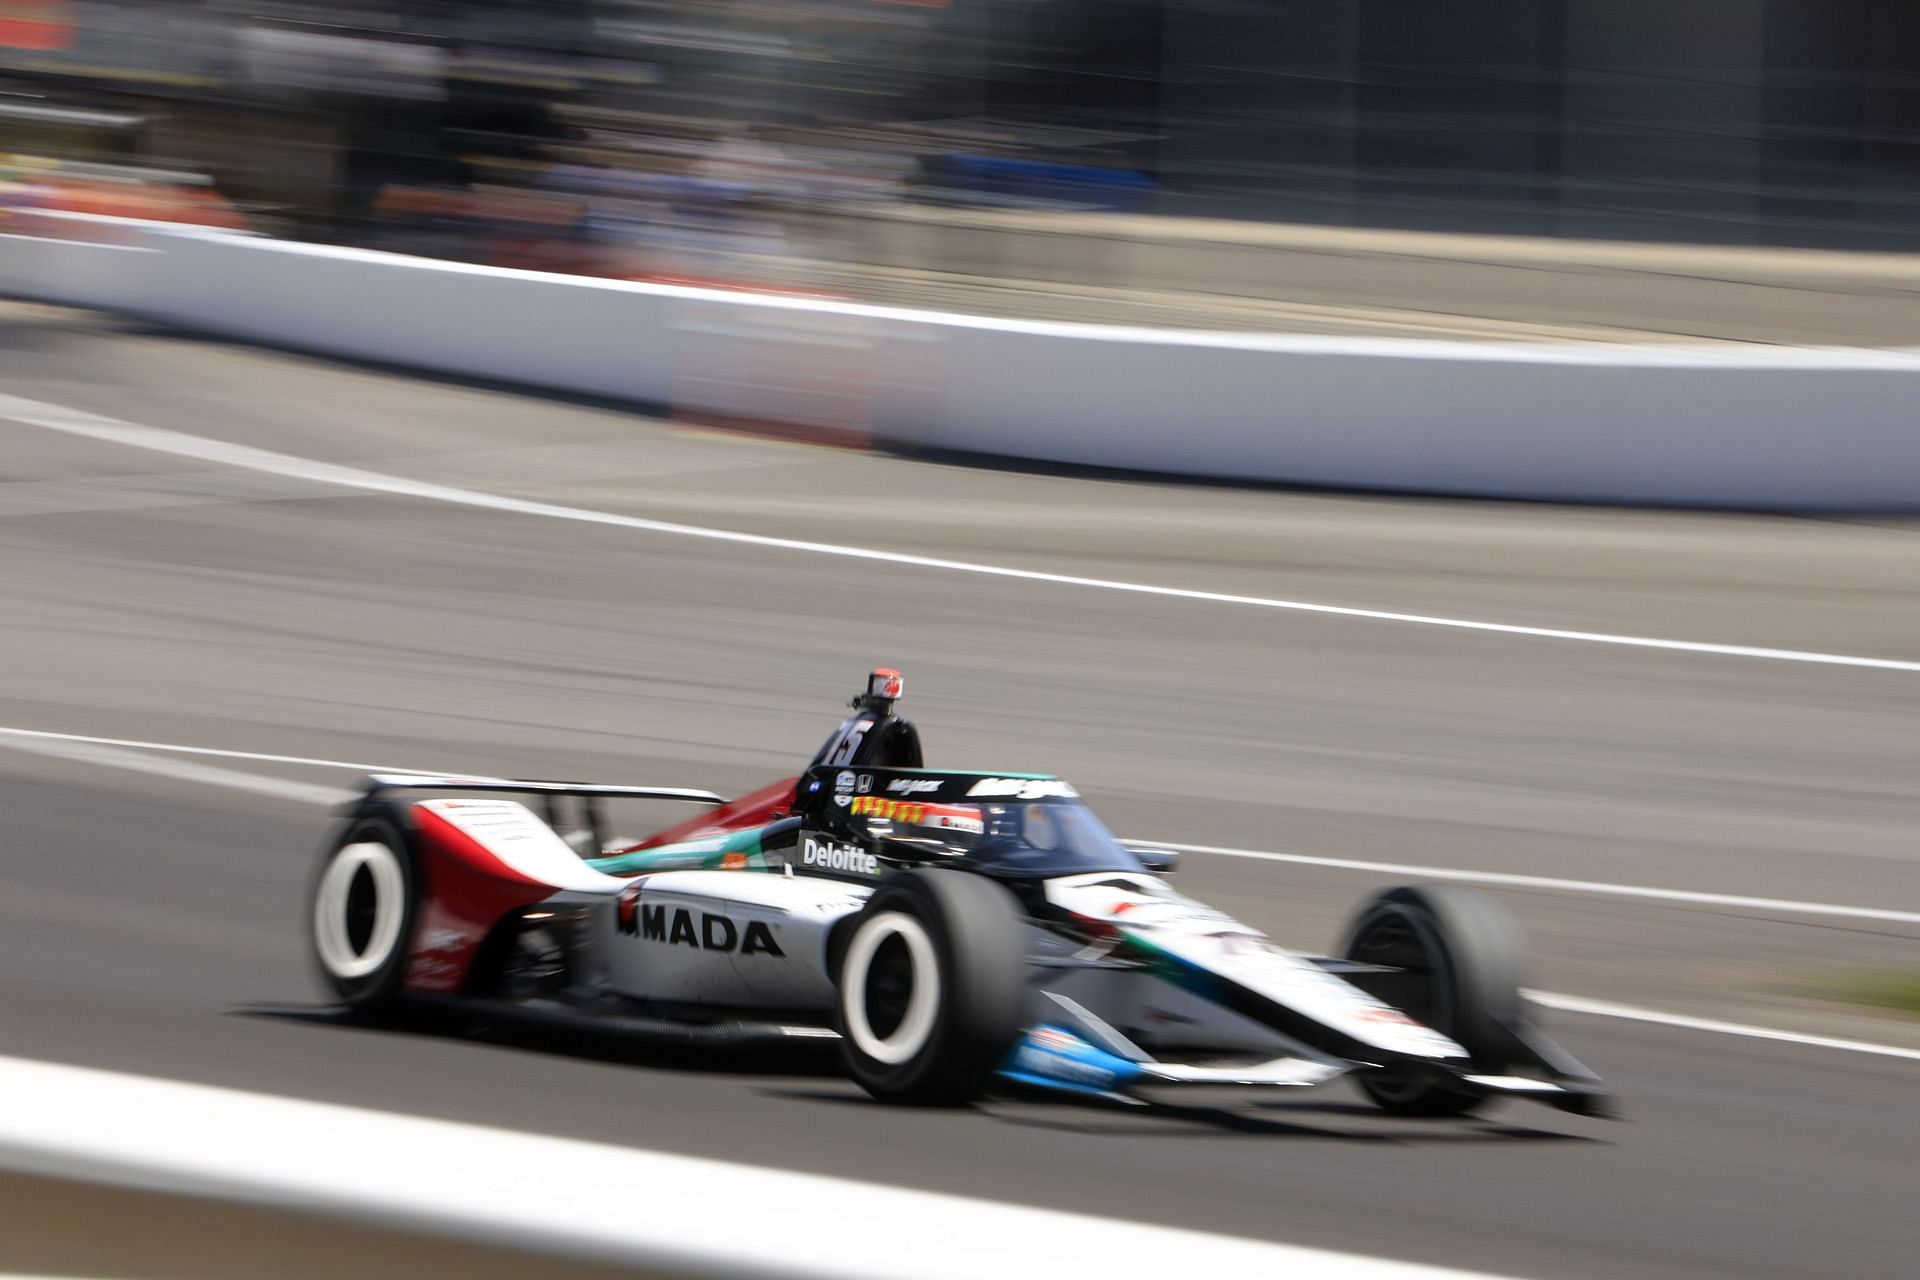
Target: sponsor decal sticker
(1057, 1066)
(913, 786)
(1156, 913)
(1023, 788)
(704, 932)
(1052, 1054)
(843, 787)
(494, 823)
(864, 784)
(625, 908)
(942, 817)
(1247, 944)
(826, 854)
(895, 810)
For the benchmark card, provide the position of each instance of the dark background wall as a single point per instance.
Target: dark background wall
(1742, 121)
(1730, 120)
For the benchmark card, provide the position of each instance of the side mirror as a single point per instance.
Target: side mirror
(1159, 861)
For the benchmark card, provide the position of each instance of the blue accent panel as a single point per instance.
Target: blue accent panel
(1053, 1058)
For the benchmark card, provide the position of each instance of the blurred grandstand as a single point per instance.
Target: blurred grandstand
(733, 140)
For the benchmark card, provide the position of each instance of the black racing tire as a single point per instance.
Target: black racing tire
(361, 913)
(932, 991)
(1463, 958)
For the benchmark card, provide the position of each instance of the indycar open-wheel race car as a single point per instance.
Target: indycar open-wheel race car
(957, 932)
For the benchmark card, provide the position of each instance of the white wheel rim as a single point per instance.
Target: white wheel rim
(331, 937)
(923, 1002)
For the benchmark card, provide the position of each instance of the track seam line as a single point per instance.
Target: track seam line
(1509, 880)
(77, 422)
(1552, 883)
(1655, 1017)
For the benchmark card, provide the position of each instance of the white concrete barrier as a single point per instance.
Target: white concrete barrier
(1720, 426)
(1708, 426)
(73, 272)
(653, 1214)
(515, 326)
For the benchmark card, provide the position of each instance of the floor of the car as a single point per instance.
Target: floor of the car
(669, 1025)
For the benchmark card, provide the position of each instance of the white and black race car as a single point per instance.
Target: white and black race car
(955, 932)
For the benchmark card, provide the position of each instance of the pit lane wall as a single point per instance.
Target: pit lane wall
(1706, 426)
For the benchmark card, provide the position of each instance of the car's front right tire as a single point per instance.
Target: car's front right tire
(1462, 963)
(360, 914)
(932, 992)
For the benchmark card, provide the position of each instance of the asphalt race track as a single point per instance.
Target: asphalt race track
(150, 913)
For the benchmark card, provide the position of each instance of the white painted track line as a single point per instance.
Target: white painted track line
(1631, 1013)
(76, 422)
(1785, 906)
(28, 739)
(182, 770)
(177, 748)
(676, 1215)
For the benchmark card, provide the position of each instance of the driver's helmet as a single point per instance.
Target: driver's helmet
(1039, 827)
(873, 736)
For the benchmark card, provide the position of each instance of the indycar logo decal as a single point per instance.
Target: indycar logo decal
(1023, 788)
(715, 933)
(837, 857)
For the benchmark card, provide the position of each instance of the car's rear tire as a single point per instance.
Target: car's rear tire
(1463, 963)
(361, 914)
(932, 987)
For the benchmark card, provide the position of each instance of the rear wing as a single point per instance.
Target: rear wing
(381, 782)
(592, 814)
